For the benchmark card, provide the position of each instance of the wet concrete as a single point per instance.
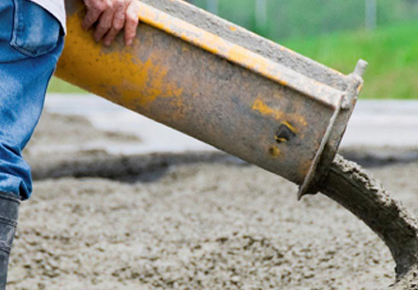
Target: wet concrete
(198, 225)
(355, 189)
(201, 226)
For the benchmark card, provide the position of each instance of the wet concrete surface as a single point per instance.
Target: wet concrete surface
(185, 221)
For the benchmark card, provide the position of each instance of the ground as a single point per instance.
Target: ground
(194, 225)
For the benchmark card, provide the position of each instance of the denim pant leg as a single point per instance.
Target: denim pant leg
(31, 42)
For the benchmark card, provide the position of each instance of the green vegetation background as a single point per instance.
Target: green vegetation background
(335, 36)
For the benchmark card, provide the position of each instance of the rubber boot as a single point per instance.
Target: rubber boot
(9, 206)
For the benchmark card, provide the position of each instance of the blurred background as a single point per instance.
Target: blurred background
(335, 33)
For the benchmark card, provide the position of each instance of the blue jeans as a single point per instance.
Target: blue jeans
(31, 41)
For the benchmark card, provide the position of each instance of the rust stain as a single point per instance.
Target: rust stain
(116, 73)
(265, 110)
(293, 129)
(305, 166)
(275, 152)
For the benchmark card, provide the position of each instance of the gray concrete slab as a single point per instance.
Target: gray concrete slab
(383, 123)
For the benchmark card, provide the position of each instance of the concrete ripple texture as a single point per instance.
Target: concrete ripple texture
(198, 226)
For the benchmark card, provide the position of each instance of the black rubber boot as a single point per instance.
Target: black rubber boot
(9, 207)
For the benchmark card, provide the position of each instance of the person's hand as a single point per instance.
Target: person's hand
(110, 17)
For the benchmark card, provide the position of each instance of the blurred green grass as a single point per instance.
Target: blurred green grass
(57, 86)
(392, 53)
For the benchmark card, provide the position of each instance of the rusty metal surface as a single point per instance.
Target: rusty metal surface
(246, 39)
(239, 55)
(217, 91)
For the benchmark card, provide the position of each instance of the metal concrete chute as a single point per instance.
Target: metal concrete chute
(245, 95)
(221, 84)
